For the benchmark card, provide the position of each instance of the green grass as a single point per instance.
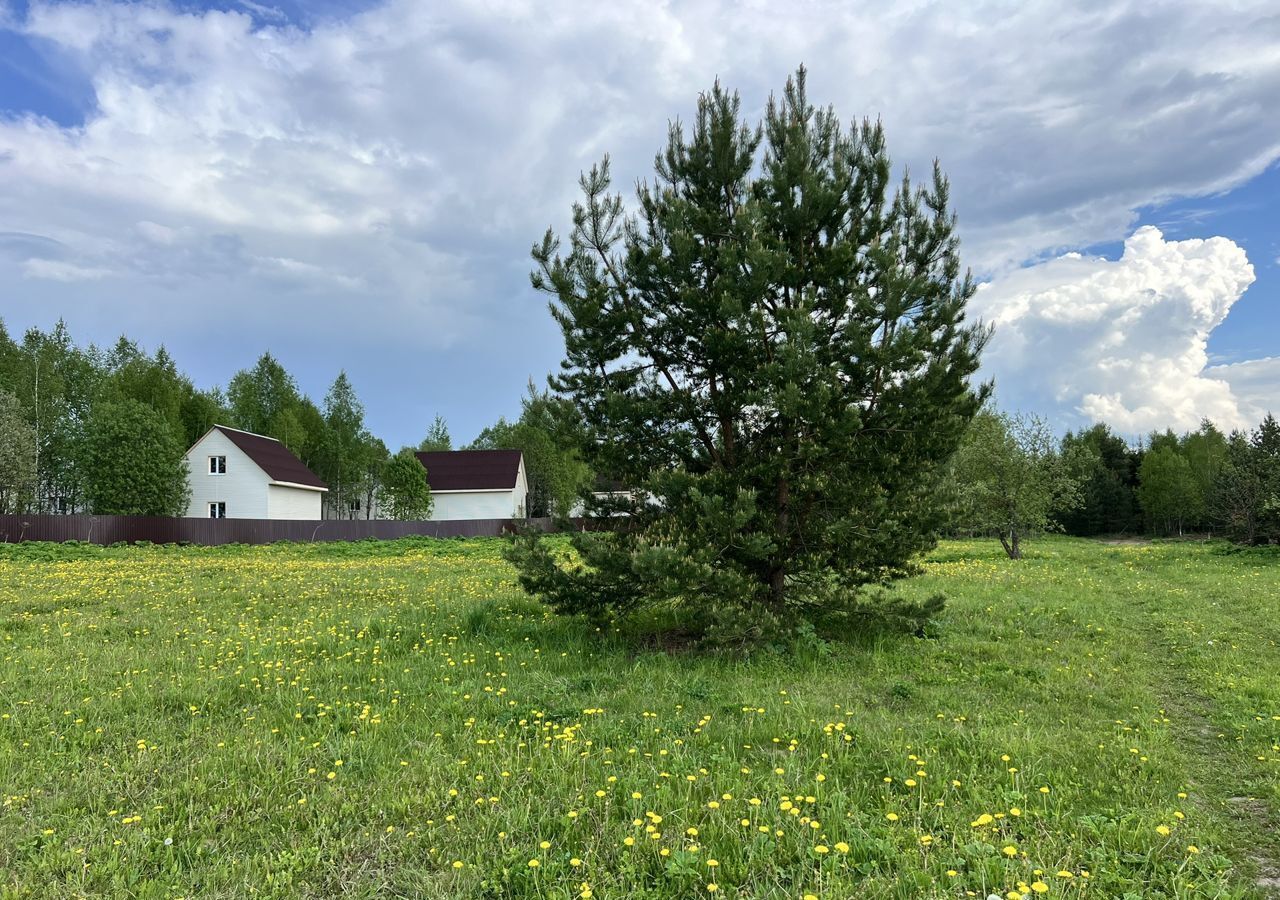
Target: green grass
(397, 720)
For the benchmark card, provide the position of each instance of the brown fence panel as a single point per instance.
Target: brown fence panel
(162, 530)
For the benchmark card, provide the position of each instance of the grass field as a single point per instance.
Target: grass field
(397, 720)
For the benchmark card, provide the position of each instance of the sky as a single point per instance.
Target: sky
(357, 185)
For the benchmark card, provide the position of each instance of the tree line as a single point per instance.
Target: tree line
(1011, 478)
(105, 430)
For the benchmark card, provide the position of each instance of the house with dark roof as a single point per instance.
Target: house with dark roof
(236, 474)
(477, 484)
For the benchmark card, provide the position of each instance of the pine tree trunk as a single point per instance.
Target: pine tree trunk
(778, 572)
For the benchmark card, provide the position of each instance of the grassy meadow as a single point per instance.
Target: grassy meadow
(398, 720)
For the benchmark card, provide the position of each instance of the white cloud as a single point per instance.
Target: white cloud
(270, 13)
(57, 270)
(376, 181)
(1256, 383)
(1123, 341)
(156, 233)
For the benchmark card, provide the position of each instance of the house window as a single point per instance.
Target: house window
(218, 510)
(217, 465)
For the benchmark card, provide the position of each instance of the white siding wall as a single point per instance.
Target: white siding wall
(520, 496)
(473, 505)
(292, 503)
(243, 488)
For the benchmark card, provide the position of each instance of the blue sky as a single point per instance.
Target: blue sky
(357, 185)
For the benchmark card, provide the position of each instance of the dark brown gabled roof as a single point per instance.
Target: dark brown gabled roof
(471, 470)
(272, 457)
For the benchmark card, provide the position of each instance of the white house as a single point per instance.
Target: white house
(607, 489)
(476, 484)
(239, 475)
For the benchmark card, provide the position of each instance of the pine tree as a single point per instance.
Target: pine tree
(1238, 491)
(1107, 501)
(437, 437)
(771, 355)
(1265, 446)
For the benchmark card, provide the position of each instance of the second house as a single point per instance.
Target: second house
(476, 484)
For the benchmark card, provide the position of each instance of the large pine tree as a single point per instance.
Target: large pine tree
(771, 355)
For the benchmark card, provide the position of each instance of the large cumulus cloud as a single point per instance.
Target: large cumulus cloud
(1123, 341)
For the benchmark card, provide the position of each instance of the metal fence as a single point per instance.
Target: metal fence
(163, 530)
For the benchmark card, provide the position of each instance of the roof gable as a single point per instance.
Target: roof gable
(272, 457)
(471, 470)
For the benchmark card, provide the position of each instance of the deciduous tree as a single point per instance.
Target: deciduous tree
(345, 449)
(260, 398)
(132, 461)
(1010, 477)
(549, 434)
(1168, 490)
(17, 456)
(405, 493)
